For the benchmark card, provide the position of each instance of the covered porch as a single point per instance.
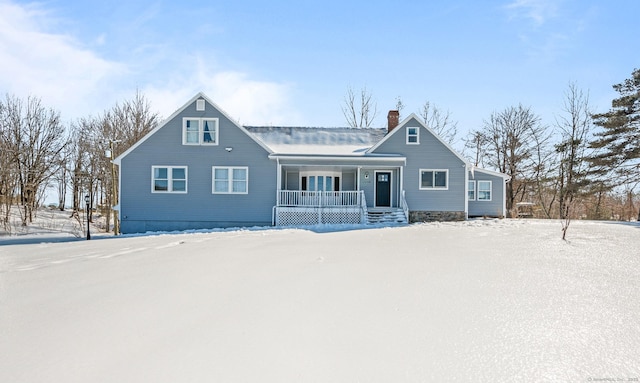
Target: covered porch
(323, 190)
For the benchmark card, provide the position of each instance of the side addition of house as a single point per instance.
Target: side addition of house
(199, 169)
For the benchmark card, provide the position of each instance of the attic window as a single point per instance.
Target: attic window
(413, 135)
(200, 131)
(200, 105)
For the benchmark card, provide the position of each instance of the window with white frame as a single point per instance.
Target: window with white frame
(413, 135)
(230, 180)
(199, 131)
(471, 190)
(484, 190)
(434, 179)
(320, 181)
(168, 179)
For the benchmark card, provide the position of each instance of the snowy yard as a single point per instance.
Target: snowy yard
(481, 301)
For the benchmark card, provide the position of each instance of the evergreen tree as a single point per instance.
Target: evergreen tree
(618, 143)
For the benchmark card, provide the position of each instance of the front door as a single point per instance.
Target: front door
(383, 189)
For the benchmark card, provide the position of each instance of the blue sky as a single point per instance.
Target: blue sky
(290, 63)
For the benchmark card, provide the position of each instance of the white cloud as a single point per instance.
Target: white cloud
(79, 82)
(248, 101)
(539, 11)
(50, 66)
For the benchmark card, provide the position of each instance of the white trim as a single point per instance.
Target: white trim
(338, 158)
(490, 172)
(504, 198)
(229, 180)
(201, 132)
(316, 173)
(422, 124)
(417, 135)
(170, 179)
(375, 187)
(466, 189)
(490, 191)
(474, 190)
(433, 187)
(118, 159)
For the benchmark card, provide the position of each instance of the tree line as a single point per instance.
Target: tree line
(38, 150)
(583, 165)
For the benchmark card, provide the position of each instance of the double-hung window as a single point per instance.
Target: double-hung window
(230, 180)
(199, 131)
(168, 179)
(484, 190)
(434, 179)
(413, 135)
(471, 190)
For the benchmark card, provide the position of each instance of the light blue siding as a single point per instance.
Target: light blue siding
(141, 210)
(430, 153)
(348, 181)
(493, 208)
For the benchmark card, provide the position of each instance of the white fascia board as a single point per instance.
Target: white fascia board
(118, 159)
(491, 172)
(340, 158)
(403, 123)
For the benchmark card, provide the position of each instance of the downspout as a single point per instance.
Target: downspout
(274, 211)
(466, 191)
(504, 197)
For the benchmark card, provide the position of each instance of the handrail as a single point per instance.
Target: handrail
(363, 208)
(403, 204)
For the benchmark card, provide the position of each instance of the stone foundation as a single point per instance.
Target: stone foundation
(430, 216)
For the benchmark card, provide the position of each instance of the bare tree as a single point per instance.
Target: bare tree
(8, 168)
(113, 132)
(477, 142)
(399, 107)
(544, 171)
(510, 139)
(36, 137)
(121, 128)
(575, 126)
(440, 122)
(359, 109)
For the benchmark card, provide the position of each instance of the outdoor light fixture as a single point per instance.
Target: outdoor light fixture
(228, 149)
(86, 199)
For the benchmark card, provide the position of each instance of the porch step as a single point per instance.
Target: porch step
(387, 216)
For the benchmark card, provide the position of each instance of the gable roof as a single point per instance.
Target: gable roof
(490, 172)
(421, 123)
(199, 95)
(325, 141)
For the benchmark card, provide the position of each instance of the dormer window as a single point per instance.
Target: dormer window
(200, 131)
(413, 135)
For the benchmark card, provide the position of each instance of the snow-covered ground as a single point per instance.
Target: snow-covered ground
(476, 301)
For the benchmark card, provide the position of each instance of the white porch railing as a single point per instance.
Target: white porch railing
(295, 207)
(320, 198)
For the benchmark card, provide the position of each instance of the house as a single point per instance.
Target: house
(200, 169)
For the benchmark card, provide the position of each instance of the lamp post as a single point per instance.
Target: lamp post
(114, 195)
(86, 199)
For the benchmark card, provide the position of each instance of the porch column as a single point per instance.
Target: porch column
(278, 180)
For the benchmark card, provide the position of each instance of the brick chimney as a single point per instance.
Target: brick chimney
(392, 120)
